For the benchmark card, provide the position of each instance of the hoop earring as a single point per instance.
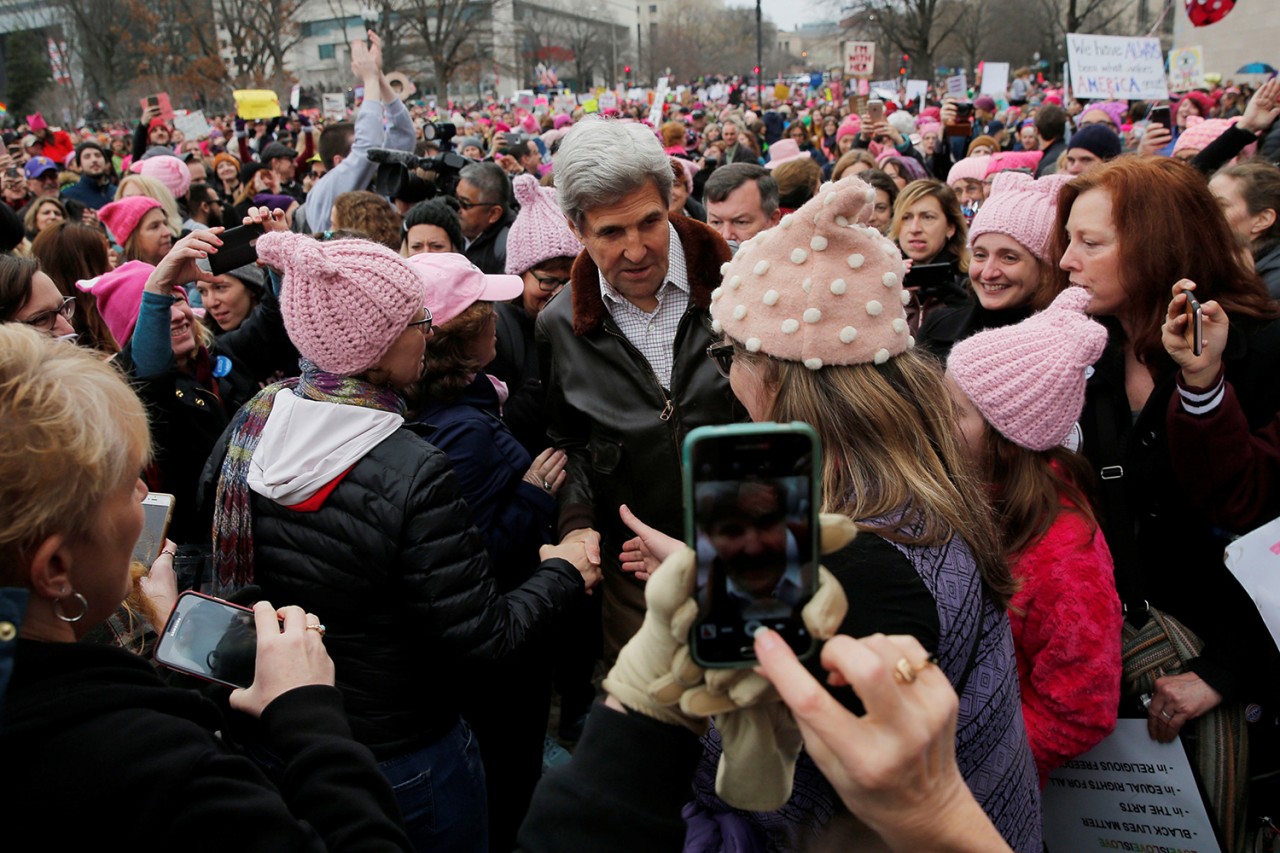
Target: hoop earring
(84, 608)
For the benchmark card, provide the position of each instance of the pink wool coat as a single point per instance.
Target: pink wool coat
(1066, 635)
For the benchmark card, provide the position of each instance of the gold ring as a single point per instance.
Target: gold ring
(905, 672)
(318, 628)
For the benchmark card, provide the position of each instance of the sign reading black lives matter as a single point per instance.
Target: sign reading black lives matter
(1127, 793)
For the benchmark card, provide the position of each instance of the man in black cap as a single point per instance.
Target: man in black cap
(95, 188)
(280, 158)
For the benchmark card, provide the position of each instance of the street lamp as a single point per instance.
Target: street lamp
(759, 59)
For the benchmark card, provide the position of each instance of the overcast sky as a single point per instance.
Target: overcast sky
(787, 13)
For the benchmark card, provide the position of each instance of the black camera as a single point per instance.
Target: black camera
(395, 178)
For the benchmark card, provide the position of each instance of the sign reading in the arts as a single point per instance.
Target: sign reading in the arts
(1127, 793)
(1116, 68)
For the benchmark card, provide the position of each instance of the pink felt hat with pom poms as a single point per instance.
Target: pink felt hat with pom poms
(821, 288)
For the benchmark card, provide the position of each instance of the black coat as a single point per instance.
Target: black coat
(489, 250)
(623, 431)
(95, 726)
(187, 415)
(395, 567)
(1164, 552)
(945, 327)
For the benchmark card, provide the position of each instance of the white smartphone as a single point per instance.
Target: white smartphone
(157, 509)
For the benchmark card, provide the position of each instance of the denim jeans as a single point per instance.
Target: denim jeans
(440, 791)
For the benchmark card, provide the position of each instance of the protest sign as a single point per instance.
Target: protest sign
(193, 125)
(917, 90)
(995, 79)
(256, 103)
(608, 100)
(957, 87)
(1127, 793)
(295, 95)
(524, 99)
(1255, 561)
(859, 58)
(1117, 68)
(334, 105)
(591, 105)
(1186, 69)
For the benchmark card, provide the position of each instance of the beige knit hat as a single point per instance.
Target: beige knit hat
(821, 288)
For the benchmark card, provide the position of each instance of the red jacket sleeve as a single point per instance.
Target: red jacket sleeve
(1066, 633)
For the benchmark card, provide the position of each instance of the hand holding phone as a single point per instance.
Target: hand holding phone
(875, 110)
(238, 249)
(157, 512)
(290, 654)
(1195, 324)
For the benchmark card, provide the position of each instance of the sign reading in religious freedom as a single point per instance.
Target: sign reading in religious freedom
(1117, 68)
(859, 58)
(1127, 793)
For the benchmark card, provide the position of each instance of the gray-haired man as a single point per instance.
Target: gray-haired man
(624, 350)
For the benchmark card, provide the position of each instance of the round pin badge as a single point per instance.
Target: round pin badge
(221, 366)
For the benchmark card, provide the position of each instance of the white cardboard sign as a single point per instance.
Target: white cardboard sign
(995, 79)
(1117, 68)
(859, 58)
(1127, 793)
(193, 125)
(334, 105)
(1255, 561)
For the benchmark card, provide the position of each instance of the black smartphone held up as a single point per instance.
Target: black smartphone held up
(1195, 324)
(238, 249)
(927, 279)
(211, 639)
(1161, 115)
(752, 493)
(157, 510)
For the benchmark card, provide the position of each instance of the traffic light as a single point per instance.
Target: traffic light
(756, 70)
(906, 60)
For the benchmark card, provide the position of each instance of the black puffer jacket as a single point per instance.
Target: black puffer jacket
(393, 565)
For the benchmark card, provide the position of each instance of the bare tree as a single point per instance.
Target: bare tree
(259, 35)
(453, 34)
(915, 27)
(972, 31)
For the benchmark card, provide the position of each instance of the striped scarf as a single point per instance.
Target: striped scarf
(233, 511)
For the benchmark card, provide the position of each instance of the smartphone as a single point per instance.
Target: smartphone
(238, 249)
(929, 278)
(963, 125)
(157, 512)
(211, 639)
(1195, 324)
(153, 101)
(751, 493)
(875, 110)
(1162, 116)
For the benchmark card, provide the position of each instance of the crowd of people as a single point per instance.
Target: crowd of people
(451, 490)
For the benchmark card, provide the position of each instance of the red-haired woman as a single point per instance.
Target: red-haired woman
(1126, 232)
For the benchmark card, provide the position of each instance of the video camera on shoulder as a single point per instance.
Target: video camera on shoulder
(395, 178)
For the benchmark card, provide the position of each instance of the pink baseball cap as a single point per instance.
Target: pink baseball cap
(453, 284)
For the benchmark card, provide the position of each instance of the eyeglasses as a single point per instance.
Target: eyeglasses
(722, 355)
(467, 205)
(549, 283)
(423, 325)
(46, 320)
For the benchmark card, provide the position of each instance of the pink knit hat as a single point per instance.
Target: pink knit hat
(118, 296)
(452, 284)
(969, 169)
(562, 120)
(345, 302)
(122, 217)
(821, 288)
(784, 151)
(1021, 207)
(1200, 132)
(170, 171)
(851, 126)
(1004, 160)
(1028, 379)
(540, 231)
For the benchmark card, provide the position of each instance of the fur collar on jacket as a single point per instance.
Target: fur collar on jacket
(704, 252)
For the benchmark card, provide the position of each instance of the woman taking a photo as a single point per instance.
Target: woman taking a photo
(931, 231)
(72, 440)
(1166, 557)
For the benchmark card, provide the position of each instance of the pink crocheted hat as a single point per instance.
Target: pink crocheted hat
(118, 296)
(1200, 132)
(969, 169)
(1028, 379)
(1021, 207)
(122, 217)
(821, 288)
(540, 231)
(345, 301)
(170, 171)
